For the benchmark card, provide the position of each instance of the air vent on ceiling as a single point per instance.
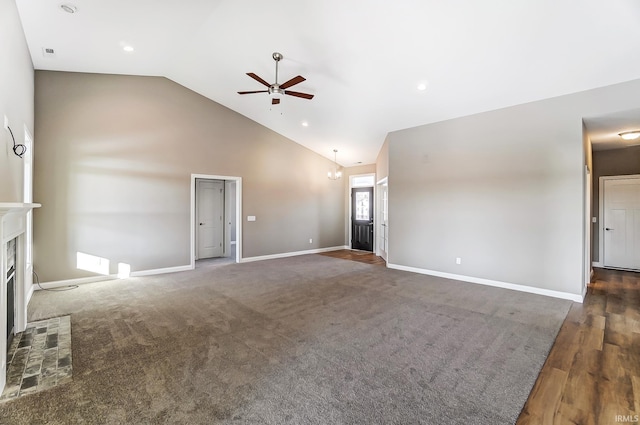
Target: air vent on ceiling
(48, 52)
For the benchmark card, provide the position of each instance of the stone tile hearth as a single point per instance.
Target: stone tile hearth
(39, 358)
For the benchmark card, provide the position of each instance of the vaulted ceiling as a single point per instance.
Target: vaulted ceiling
(363, 59)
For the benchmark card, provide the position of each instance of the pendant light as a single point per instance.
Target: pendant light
(334, 174)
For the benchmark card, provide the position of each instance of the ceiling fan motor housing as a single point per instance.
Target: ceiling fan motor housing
(275, 90)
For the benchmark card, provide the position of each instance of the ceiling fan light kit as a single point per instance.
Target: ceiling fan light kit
(630, 135)
(275, 90)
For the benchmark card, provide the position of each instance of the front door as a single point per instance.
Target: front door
(362, 218)
(209, 218)
(621, 223)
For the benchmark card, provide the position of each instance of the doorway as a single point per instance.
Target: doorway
(620, 222)
(216, 202)
(210, 216)
(362, 218)
(382, 241)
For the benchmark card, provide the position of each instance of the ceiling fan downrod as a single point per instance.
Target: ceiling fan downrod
(277, 57)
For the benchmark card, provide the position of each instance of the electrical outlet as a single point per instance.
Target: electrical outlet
(458, 260)
(310, 240)
(6, 123)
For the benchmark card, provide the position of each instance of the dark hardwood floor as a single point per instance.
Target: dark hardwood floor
(592, 374)
(360, 256)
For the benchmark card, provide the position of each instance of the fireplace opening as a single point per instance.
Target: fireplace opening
(11, 283)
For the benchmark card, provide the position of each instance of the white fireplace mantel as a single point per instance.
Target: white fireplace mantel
(14, 223)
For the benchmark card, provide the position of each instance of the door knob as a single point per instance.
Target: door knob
(201, 224)
(606, 228)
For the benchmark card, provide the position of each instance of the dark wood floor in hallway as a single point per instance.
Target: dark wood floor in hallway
(354, 255)
(592, 374)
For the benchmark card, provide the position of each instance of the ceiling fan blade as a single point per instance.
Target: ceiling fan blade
(275, 101)
(292, 82)
(258, 79)
(298, 94)
(251, 92)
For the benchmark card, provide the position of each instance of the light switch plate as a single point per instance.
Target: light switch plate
(6, 123)
(251, 218)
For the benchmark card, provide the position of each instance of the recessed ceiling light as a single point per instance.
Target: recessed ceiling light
(69, 8)
(422, 86)
(128, 48)
(630, 135)
(305, 124)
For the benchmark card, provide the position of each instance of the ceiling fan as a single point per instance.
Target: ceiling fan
(276, 89)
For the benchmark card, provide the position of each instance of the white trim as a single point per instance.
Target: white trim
(601, 223)
(351, 178)
(379, 211)
(516, 287)
(292, 254)
(165, 270)
(71, 282)
(233, 242)
(30, 292)
(588, 226)
(597, 264)
(192, 225)
(102, 278)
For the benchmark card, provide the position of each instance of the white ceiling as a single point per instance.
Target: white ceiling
(363, 59)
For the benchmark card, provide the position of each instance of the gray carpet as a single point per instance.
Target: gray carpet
(302, 340)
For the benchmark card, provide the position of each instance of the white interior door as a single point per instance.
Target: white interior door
(209, 218)
(621, 223)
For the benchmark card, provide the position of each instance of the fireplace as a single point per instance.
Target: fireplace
(15, 275)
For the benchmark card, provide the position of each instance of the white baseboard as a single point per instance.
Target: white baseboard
(92, 279)
(522, 288)
(292, 254)
(597, 264)
(161, 271)
(71, 282)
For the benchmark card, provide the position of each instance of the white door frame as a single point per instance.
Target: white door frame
(588, 226)
(379, 212)
(192, 218)
(601, 181)
(373, 204)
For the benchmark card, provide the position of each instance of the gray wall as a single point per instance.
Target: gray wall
(115, 155)
(382, 161)
(503, 190)
(16, 99)
(615, 162)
